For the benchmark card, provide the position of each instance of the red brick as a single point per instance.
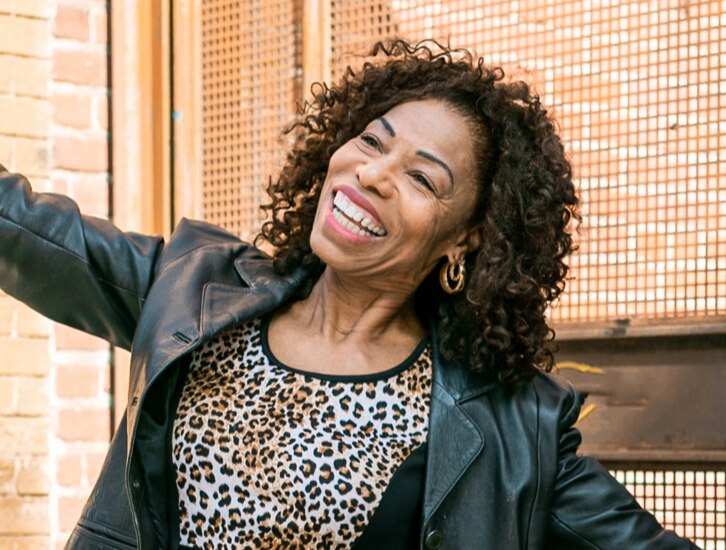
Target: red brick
(102, 112)
(24, 356)
(32, 396)
(26, 543)
(25, 116)
(24, 75)
(7, 473)
(69, 471)
(24, 516)
(31, 156)
(68, 338)
(8, 391)
(29, 8)
(7, 313)
(59, 185)
(91, 196)
(83, 425)
(69, 510)
(72, 110)
(94, 462)
(85, 155)
(28, 436)
(7, 150)
(77, 381)
(80, 67)
(24, 36)
(71, 22)
(31, 323)
(42, 185)
(33, 478)
(100, 23)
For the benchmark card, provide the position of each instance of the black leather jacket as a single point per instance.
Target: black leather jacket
(502, 469)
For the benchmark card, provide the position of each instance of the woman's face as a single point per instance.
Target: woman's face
(396, 198)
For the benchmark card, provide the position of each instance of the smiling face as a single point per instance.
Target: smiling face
(396, 198)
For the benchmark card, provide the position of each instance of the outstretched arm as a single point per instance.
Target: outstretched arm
(78, 270)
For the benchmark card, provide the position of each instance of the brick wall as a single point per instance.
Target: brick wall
(54, 381)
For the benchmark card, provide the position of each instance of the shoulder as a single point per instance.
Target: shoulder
(556, 398)
(191, 234)
(209, 253)
(195, 236)
(544, 400)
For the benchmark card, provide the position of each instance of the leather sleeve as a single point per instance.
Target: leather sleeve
(78, 270)
(591, 509)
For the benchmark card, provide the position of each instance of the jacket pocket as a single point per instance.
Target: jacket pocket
(97, 537)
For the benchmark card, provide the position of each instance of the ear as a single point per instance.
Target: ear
(466, 242)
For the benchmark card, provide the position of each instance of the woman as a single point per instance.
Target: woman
(378, 384)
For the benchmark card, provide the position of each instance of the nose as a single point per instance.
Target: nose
(376, 175)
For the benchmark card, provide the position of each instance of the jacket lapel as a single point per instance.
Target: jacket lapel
(454, 440)
(453, 444)
(225, 305)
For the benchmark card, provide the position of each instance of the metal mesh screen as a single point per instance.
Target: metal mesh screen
(691, 502)
(354, 26)
(251, 79)
(639, 89)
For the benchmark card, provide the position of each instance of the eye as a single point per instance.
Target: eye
(420, 178)
(371, 141)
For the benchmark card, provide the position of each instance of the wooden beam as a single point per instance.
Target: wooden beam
(141, 115)
(187, 109)
(316, 43)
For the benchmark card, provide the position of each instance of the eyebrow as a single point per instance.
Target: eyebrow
(438, 161)
(388, 127)
(424, 154)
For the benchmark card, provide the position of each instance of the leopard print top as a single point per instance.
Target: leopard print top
(267, 456)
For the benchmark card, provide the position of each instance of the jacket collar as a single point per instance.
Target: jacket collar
(459, 381)
(262, 290)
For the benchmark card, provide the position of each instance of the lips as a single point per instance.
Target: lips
(358, 218)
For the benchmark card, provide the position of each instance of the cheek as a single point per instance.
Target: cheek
(342, 157)
(430, 229)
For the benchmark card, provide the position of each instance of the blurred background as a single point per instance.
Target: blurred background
(145, 111)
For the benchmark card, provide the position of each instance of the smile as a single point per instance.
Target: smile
(354, 218)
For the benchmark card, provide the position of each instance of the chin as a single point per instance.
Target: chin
(328, 255)
(321, 247)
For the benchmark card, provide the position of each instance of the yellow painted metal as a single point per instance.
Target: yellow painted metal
(580, 367)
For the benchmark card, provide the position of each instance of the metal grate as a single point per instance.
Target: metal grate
(354, 26)
(690, 502)
(639, 89)
(251, 66)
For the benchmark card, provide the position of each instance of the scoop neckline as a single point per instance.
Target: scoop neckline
(407, 363)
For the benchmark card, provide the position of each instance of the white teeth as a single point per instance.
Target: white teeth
(354, 212)
(345, 222)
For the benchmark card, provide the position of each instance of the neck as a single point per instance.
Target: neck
(341, 309)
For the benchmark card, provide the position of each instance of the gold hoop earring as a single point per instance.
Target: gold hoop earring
(453, 272)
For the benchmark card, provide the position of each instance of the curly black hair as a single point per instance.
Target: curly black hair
(526, 209)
